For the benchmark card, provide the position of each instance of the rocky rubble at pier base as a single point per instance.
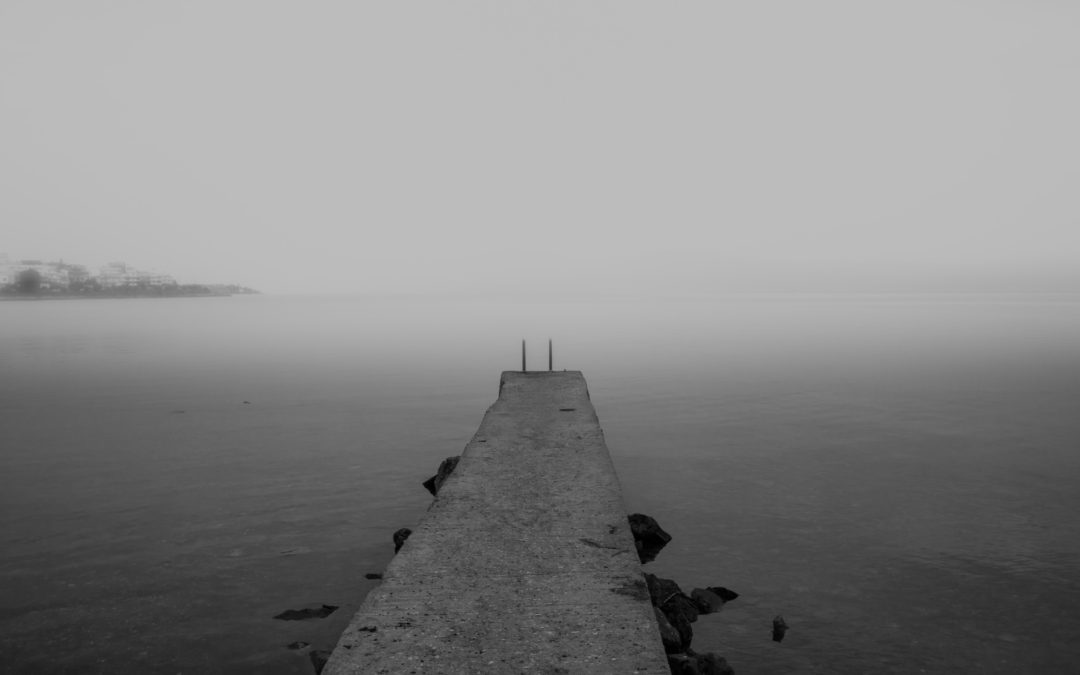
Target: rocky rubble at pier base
(675, 610)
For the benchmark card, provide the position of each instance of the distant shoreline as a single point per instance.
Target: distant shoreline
(68, 296)
(206, 292)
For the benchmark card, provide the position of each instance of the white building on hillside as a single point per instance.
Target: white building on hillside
(119, 274)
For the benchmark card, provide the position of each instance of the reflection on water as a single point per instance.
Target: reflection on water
(895, 476)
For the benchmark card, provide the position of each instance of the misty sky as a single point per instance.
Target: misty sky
(547, 146)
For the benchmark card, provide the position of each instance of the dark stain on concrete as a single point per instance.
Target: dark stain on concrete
(634, 588)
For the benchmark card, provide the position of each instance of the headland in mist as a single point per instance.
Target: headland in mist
(37, 279)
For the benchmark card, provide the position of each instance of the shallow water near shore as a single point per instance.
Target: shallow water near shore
(895, 475)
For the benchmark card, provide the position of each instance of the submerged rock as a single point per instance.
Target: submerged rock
(649, 537)
(725, 594)
(707, 602)
(779, 628)
(297, 550)
(699, 664)
(307, 613)
(399, 538)
(319, 657)
(435, 483)
(299, 644)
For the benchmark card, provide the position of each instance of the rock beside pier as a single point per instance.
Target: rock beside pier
(707, 602)
(660, 589)
(399, 538)
(447, 467)
(319, 657)
(699, 664)
(711, 599)
(725, 594)
(669, 635)
(306, 613)
(649, 537)
(779, 628)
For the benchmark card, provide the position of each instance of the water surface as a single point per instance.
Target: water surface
(895, 475)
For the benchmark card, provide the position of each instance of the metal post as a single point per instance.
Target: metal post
(550, 362)
(523, 356)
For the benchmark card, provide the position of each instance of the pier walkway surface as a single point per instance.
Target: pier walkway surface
(525, 562)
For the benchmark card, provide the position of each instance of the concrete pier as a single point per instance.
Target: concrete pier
(524, 563)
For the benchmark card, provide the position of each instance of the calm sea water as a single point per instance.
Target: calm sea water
(898, 476)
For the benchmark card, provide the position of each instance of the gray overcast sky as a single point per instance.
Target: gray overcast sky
(504, 145)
